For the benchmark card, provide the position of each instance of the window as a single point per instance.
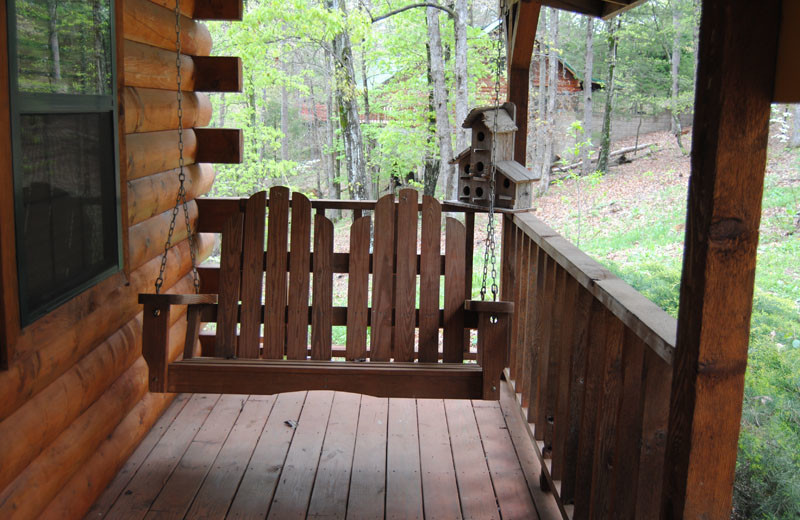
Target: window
(64, 140)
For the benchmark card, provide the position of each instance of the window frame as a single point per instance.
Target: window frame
(59, 104)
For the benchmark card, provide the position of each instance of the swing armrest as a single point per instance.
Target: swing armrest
(176, 299)
(494, 326)
(155, 331)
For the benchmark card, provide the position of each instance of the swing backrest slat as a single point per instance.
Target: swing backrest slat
(399, 329)
(299, 270)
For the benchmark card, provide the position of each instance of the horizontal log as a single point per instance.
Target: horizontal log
(154, 194)
(56, 342)
(151, 24)
(43, 418)
(207, 338)
(146, 240)
(219, 145)
(152, 110)
(155, 152)
(36, 486)
(85, 486)
(652, 325)
(207, 9)
(218, 74)
(219, 10)
(150, 67)
(450, 381)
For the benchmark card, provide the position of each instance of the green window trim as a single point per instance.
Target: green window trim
(103, 108)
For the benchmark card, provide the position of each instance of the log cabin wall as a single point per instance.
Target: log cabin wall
(73, 389)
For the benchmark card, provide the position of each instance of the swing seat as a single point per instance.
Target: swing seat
(401, 355)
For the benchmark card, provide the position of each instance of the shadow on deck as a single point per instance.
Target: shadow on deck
(333, 455)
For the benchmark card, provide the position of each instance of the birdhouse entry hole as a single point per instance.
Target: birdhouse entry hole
(480, 167)
(466, 190)
(466, 168)
(506, 183)
(479, 192)
(481, 136)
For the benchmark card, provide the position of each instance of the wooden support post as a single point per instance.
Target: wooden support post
(521, 25)
(494, 323)
(155, 344)
(737, 56)
(192, 330)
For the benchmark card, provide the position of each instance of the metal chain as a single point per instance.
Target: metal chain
(489, 254)
(180, 200)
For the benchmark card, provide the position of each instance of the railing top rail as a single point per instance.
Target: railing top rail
(655, 327)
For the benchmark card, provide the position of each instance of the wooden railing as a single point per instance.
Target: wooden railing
(591, 364)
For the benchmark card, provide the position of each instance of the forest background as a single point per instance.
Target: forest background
(348, 99)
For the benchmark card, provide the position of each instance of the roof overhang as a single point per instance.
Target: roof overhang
(599, 8)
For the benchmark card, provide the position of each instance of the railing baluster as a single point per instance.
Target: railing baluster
(603, 469)
(530, 367)
(598, 325)
(655, 417)
(629, 432)
(543, 330)
(577, 386)
(551, 384)
(516, 292)
(565, 347)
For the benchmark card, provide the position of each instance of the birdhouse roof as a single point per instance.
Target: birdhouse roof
(487, 115)
(516, 172)
(461, 155)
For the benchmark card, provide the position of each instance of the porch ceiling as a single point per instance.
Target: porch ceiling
(598, 8)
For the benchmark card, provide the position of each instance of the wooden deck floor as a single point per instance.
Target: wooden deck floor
(327, 455)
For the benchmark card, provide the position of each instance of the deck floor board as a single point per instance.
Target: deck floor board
(322, 455)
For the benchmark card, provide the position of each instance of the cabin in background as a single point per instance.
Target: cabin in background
(74, 400)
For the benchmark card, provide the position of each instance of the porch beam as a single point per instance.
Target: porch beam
(521, 21)
(729, 152)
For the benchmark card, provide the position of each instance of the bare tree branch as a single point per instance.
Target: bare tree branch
(413, 6)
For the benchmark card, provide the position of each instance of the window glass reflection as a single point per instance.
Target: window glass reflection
(64, 46)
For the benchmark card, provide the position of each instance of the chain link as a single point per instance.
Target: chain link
(180, 200)
(489, 253)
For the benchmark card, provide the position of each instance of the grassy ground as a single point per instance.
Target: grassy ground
(633, 222)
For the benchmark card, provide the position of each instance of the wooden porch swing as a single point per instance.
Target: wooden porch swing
(394, 365)
(240, 362)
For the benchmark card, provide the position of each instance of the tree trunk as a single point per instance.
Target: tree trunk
(222, 109)
(462, 93)
(55, 53)
(587, 96)
(430, 170)
(795, 140)
(552, 91)
(347, 104)
(542, 101)
(99, 62)
(333, 188)
(605, 139)
(676, 63)
(443, 134)
(284, 123)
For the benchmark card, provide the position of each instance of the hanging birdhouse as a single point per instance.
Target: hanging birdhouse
(493, 127)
